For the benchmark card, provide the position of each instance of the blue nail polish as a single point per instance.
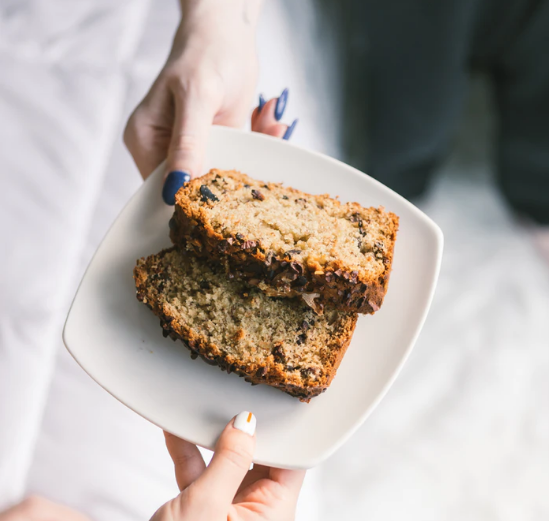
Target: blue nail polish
(172, 184)
(261, 103)
(290, 130)
(281, 104)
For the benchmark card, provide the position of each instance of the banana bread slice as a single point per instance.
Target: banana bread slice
(287, 242)
(278, 342)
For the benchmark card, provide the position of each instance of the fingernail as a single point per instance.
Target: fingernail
(261, 103)
(290, 130)
(245, 422)
(172, 184)
(281, 104)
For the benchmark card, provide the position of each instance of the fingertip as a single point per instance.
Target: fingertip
(261, 103)
(290, 130)
(281, 103)
(174, 181)
(245, 422)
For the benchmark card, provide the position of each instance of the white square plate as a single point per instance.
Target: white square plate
(119, 342)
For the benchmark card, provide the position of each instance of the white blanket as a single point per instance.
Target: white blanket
(462, 435)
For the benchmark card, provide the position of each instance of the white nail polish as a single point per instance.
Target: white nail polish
(245, 422)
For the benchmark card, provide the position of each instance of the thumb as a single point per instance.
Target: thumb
(232, 459)
(193, 119)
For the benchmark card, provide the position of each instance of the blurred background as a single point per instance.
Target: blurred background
(463, 433)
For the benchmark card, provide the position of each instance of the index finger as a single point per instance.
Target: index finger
(187, 460)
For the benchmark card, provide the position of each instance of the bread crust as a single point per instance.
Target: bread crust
(335, 286)
(272, 373)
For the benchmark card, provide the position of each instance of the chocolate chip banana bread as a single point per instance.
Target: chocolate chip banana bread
(286, 242)
(278, 342)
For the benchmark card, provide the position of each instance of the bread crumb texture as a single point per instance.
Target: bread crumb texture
(333, 246)
(278, 341)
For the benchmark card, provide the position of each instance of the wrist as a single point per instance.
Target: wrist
(239, 12)
(229, 22)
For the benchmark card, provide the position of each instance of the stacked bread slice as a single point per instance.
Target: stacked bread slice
(267, 281)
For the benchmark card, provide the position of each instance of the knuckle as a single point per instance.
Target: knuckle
(130, 131)
(184, 142)
(196, 85)
(182, 460)
(133, 132)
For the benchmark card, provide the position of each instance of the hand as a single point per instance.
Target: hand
(36, 508)
(209, 78)
(226, 490)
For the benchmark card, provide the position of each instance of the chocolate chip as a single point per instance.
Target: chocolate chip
(204, 284)
(295, 266)
(223, 245)
(247, 186)
(256, 194)
(305, 325)
(301, 338)
(248, 245)
(373, 305)
(356, 289)
(207, 194)
(278, 354)
(262, 371)
(165, 333)
(240, 237)
(308, 371)
(271, 274)
(172, 224)
(289, 253)
(285, 197)
(300, 281)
